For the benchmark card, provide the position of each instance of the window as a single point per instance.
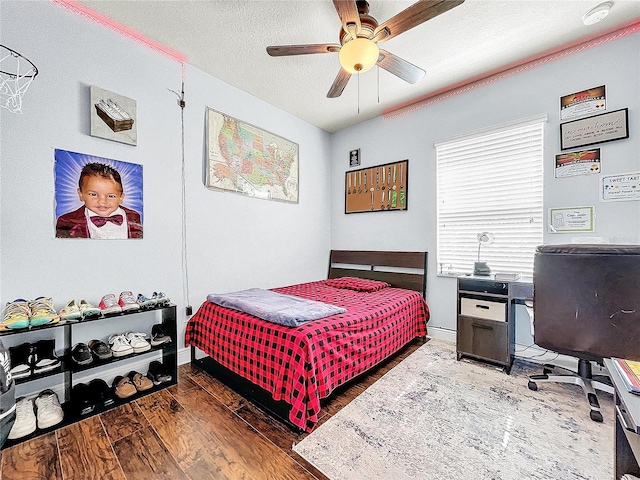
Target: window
(491, 181)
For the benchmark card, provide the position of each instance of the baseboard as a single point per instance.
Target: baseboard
(442, 334)
(532, 353)
(184, 355)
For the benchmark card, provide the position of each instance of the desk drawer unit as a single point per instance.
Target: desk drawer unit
(489, 310)
(484, 328)
(482, 338)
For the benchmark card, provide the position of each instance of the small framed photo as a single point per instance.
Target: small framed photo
(605, 127)
(354, 158)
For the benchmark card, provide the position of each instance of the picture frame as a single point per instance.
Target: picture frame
(248, 160)
(579, 104)
(73, 208)
(377, 189)
(113, 116)
(584, 162)
(354, 158)
(620, 187)
(571, 219)
(605, 127)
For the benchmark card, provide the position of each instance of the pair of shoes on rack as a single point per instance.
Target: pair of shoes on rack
(125, 387)
(127, 343)
(159, 336)
(161, 299)
(85, 398)
(79, 311)
(120, 345)
(158, 373)
(33, 358)
(146, 302)
(158, 299)
(24, 313)
(42, 412)
(83, 354)
(126, 302)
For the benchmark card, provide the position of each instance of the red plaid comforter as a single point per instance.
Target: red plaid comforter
(304, 364)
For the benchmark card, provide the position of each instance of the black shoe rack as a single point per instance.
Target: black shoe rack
(166, 316)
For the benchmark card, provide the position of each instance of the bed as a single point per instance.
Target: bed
(290, 371)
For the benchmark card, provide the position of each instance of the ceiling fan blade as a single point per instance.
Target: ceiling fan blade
(400, 68)
(339, 83)
(348, 13)
(416, 14)
(284, 50)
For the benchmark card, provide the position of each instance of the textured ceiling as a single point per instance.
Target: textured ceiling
(228, 39)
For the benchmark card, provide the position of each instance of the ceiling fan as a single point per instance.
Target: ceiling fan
(360, 35)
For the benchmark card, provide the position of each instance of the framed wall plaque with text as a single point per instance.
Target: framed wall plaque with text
(376, 189)
(605, 127)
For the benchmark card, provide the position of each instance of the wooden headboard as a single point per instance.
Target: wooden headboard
(382, 265)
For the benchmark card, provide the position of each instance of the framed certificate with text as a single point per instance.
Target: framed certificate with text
(605, 127)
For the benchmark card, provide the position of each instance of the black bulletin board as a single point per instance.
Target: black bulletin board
(377, 189)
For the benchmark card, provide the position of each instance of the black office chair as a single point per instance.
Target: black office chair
(586, 301)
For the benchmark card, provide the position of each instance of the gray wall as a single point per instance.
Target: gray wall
(531, 92)
(232, 242)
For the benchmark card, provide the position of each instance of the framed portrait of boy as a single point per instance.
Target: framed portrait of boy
(97, 198)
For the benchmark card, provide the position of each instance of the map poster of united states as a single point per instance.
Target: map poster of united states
(245, 159)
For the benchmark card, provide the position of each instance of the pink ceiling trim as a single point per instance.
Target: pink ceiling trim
(127, 32)
(510, 70)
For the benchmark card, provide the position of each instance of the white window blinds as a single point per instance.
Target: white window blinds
(491, 181)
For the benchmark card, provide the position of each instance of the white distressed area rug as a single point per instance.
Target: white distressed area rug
(432, 417)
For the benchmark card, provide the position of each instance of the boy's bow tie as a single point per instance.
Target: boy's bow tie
(99, 221)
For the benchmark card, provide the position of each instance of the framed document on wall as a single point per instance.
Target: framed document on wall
(605, 127)
(377, 189)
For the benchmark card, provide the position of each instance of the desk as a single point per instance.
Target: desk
(627, 436)
(486, 318)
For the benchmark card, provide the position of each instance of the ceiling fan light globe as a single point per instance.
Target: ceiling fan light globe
(359, 55)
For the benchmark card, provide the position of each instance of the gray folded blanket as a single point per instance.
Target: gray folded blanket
(275, 307)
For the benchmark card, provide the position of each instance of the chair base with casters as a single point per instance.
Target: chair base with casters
(583, 378)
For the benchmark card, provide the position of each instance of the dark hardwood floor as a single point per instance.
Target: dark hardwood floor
(198, 429)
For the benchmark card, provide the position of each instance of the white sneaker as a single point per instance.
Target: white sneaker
(49, 411)
(120, 346)
(25, 419)
(138, 342)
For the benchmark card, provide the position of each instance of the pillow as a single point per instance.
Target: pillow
(357, 284)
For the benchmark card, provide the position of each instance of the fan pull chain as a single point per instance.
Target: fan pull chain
(378, 78)
(358, 93)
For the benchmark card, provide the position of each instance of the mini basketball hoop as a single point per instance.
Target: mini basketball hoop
(16, 74)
